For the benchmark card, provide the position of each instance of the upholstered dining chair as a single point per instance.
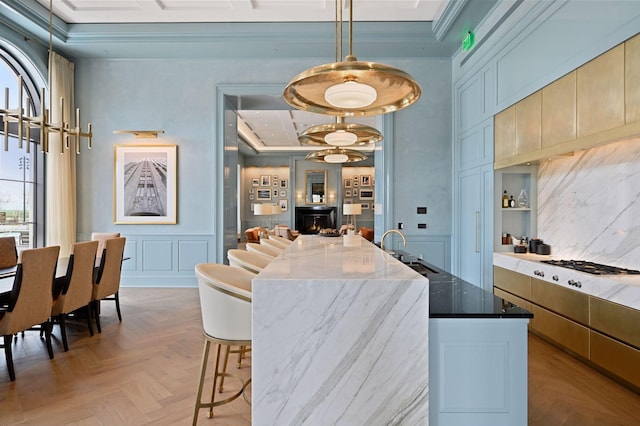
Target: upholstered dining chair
(225, 304)
(30, 300)
(285, 242)
(252, 262)
(101, 238)
(262, 249)
(76, 287)
(8, 252)
(107, 282)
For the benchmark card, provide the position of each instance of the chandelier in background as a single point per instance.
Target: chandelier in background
(336, 155)
(340, 134)
(26, 120)
(352, 87)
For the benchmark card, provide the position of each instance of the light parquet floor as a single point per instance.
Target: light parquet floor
(145, 369)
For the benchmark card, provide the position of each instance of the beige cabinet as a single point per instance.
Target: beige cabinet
(567, 333)
(570, 303)
(632, 79)
(512, 282)
(615, 320)
(600, 93)
(559, 111)
(504, 129)
(616, 357)
(528, 124)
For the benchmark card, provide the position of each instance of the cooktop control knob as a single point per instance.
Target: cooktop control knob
(538, 273)
(575, 283)
(555, 278)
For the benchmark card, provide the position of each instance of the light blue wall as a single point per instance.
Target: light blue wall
(178, 96)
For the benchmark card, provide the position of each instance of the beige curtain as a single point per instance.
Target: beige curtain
(60, 179)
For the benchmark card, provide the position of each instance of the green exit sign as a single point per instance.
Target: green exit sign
(468, 41)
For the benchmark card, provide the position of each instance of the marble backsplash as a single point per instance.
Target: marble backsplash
(589, 205)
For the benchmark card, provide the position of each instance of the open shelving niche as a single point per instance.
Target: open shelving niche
(516, 221)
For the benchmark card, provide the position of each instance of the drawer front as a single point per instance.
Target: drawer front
(513, 282)
(616, 320)
(525, 304)
(567, 333)
(618, 358)
(566, 302)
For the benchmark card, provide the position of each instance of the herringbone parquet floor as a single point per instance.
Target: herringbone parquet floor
(145, 369)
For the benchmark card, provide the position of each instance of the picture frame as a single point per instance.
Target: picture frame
(255, 182)
(347, 193)
(158, 164)
(354, 192)
(365, 180)
(355, 183)
(355, 178)
(366, 194)
(250, 190)
(275, 193)
(365, 206)
(276, 182)
(283, 193)
(250, 196)
(265, 180)
(284, 183)
(347, 183)
(263, 194)
(284, 205)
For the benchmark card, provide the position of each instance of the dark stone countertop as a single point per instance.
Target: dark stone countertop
(452, 297)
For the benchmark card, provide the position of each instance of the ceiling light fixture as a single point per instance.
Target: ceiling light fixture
(27, 121)
(351, 87)
(336, 155)
(140, 133)
(340, 134)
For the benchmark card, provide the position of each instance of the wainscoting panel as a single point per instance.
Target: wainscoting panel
(165, 260)
(434, 249)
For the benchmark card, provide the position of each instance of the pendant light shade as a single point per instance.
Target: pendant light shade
(336, 155)
(340, 134)
(351, 87)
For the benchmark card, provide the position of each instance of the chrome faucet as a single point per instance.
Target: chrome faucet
(393, 231)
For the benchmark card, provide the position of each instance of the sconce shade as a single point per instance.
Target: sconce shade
(348, 209)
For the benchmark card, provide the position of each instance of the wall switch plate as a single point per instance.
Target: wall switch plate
(422, 226)
(422, 210)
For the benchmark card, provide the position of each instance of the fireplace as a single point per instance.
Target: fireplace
(310, 220)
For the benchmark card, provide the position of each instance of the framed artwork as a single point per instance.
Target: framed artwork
(265, 180)
(355, 178)
(354, 192)
(145, 184)
(366, 180)
(284, 183)
(284, 205)
(347, 193)
(364, 206)
(250, 190)
(263, 194)
(251, 196)
(347, 183)
(366, 194)
(275, 193)
(355, 183)
(276, 182)
(255, 182)
(283, 193)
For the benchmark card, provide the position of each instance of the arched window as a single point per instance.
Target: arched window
(21, 193)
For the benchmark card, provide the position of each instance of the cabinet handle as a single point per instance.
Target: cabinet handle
(477, 231)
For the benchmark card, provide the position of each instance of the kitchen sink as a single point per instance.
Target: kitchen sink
(420, 268)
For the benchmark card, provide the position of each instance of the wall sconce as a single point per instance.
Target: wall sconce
(140, 133)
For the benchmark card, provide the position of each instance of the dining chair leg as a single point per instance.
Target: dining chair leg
(9, 357)
(89, 313)
(203, 371)
(97, 315)
(117, 298)
(63, 331)
(47, 333)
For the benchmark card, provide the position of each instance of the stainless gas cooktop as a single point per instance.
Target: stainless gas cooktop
(592, 268)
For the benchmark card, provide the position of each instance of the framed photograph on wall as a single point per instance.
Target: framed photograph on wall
(364, 206)
(251, 196)
(275, 193)
(145, 184)
(366, 180)
(283, 193)
(347, 193)
(265, 180)
(284, 183)
(255, 182)
(284, 205)
(354, 192)
(347, 183)
(263, 194)
(366, 194)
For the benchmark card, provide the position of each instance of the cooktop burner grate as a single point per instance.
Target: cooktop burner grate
(592, 268)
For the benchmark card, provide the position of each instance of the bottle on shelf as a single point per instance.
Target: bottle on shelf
(505, 200)
(522, 199)
(512, 202)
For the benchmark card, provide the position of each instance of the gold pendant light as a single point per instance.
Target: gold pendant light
(340, 134)
(352, 87)
(336, 155)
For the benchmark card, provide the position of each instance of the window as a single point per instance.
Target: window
(20, 171)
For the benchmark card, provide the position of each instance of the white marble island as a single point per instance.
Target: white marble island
(340, 336)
